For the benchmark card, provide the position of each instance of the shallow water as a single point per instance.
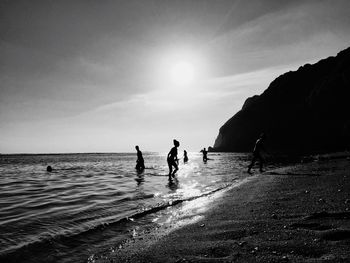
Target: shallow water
(91, 202)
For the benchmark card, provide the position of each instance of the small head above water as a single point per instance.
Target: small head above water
(49, 169)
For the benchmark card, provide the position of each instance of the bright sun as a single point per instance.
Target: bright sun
(179, 69)
(182, 73)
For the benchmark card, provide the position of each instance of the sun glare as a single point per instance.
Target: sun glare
(182, 73)
(180, 68)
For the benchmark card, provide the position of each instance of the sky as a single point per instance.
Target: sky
(104, 76)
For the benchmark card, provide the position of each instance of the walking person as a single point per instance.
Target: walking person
(172, 159)
(257, 153)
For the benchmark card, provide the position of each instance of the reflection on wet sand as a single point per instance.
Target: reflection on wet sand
(173, 183)
(140, 179)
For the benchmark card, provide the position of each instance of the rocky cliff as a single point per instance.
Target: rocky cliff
(303, 111)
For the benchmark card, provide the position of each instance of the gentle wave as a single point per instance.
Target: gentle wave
(49, 236)
(57, 214)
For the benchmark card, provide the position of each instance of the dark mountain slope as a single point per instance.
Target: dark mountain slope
(303, 111)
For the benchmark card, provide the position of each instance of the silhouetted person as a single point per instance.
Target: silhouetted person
(49, 169)
(185, 156)
(140, 163)
(172, 159)
(205, 157)
(257, 153)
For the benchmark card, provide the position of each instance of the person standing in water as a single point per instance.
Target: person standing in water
(205, 157)
(257, 153)
(172, 159)
(185, 156)
(140, 163)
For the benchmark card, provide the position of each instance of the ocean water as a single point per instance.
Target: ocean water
(90, 203)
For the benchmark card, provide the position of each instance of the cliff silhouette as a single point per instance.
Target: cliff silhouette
(303, 111)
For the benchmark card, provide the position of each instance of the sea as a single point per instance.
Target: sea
(91, 203)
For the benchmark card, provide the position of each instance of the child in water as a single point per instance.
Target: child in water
(185, 156)
(172, 159)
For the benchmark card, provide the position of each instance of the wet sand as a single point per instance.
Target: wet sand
(298, 213)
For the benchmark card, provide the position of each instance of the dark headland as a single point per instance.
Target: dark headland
(304, 111)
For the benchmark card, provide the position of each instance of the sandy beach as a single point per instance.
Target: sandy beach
(297, 213)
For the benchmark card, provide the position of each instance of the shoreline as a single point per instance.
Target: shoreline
(297, 213)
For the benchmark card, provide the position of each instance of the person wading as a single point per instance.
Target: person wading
(140, 163)
(172, 159)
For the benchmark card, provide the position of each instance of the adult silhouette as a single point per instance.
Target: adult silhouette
(257, 153)
(140, 163)
(205, 153)
(172, 159)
